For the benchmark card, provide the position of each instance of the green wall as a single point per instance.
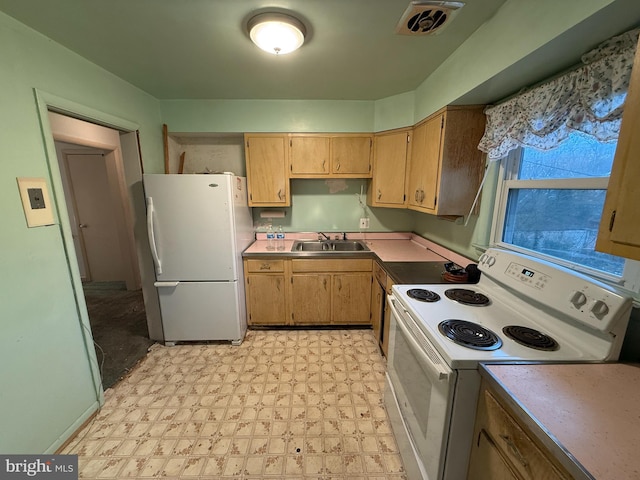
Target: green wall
(48, 375)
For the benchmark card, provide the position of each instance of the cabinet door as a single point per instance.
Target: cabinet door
(266, 299)
(377, 312)
(311, 299)
(619, 233)
(487, 462)
(416, 165)
(351, 156)
(267, 180)
(425, 164)
(352, 298)
(309, 156)
(390, 155)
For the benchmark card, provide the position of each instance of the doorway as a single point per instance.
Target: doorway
(102, 234)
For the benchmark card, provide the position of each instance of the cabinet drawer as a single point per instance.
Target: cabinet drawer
(515, 444)
(265, 266)
(331, 265)
(379, 273)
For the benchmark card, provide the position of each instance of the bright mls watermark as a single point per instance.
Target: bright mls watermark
(51, 467)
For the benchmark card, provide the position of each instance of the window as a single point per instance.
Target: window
(550, 202)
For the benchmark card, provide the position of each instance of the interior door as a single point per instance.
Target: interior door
(95, 215)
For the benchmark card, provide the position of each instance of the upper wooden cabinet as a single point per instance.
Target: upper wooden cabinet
(330, 155)
(619, 233)
(445, 165)
(267, 159)
(391, 151)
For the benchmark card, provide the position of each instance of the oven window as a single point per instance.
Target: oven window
(415, 382)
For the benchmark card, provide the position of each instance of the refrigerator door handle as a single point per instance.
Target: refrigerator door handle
(152, 237)
(165, 284)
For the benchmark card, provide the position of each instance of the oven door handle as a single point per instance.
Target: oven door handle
(437, 371)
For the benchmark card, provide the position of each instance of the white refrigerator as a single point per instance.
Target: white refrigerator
(198, 227)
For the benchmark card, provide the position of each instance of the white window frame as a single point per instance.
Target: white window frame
(507, 180)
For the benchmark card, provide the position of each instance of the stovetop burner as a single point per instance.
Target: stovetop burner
(423, 295)
(467, 297)
(530, 338)
(469, 334)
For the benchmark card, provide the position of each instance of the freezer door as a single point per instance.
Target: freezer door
(190, 226)
(193, 311)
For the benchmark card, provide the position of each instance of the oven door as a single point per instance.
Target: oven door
(418, 397)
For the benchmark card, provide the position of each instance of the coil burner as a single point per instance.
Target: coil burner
(469, 334)
(530, 338)
(423, 295)
(467, 297)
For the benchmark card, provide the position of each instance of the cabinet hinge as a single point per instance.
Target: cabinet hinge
(612, 220)
(435, 200)
(291, 280)
(247, 143)
(408, 138)
(442, 123)
(290, 143)
(370, 142)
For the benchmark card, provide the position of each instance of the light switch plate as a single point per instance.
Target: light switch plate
(35, 201)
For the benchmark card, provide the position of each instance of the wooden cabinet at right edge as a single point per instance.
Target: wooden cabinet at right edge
(619, 233)
(445, 165)
(504, 449)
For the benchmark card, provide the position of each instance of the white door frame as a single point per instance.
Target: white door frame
(49, 102)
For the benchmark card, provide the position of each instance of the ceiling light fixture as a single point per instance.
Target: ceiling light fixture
(276, 33)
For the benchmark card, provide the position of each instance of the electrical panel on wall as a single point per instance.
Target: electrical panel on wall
(35, 201)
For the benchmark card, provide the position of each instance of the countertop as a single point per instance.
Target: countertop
(588, 415)
(388, 247)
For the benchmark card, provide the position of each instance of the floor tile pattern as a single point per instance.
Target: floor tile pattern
(283, 405)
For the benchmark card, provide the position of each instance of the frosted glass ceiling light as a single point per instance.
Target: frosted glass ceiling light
(276, 33)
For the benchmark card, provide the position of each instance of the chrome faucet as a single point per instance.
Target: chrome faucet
(320, 235)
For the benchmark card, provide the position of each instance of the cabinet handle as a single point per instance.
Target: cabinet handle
(421, 196)
(514, 450)
(280, 196)
(265, 266)
(416, 196)
(338, 167)
(324, 162)
(379, 194)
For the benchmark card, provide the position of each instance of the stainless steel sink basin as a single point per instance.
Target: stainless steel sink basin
(329, 246)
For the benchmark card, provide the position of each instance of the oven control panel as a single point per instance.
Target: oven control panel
(577, 296)
(527, 275)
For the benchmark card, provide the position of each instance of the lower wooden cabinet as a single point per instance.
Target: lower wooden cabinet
(311, 299)
(308, 291)
(265, 288)
(503, 449)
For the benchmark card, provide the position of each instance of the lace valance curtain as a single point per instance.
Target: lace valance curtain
(589, 99)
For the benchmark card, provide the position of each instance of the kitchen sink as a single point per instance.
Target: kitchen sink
(329, 246)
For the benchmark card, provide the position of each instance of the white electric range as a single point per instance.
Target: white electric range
(521, 310)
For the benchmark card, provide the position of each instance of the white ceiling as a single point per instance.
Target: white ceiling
(197, 49)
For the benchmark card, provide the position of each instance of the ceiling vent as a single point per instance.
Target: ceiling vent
(426, 17)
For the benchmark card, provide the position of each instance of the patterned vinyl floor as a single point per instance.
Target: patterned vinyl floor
(300, 404)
